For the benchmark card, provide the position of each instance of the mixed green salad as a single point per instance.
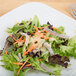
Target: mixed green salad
(31, 46)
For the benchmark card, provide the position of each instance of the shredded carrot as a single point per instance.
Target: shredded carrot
(33, 33)
(5, 52)
(51, 34)
(29, 35)
(19, 40)
(43, 30)
(44, 33)
(28, 51)
(40, 59)
(57, 29)
(21, 37)
(24, 51)
(43, 37)
(23, 40)
(36, 28)
(22, 66)
(47, 38)
(18, 63)
(12, 37)
(39, 32)
(41, 27)
(28, 65)
(15, 42)
(22, 63)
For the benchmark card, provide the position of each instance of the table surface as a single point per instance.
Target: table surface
(61, 5)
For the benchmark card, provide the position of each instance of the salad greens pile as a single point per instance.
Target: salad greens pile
(31, 46)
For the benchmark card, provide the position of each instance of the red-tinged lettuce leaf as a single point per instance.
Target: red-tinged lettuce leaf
(57, 59)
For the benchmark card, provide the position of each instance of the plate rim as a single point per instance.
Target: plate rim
(6, 14)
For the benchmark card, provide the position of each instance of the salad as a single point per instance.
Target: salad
(31, 46)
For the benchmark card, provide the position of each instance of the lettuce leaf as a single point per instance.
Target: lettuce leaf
(56, 68)
(15, 28)
(69, 50)
(61, 28)
(36, 21)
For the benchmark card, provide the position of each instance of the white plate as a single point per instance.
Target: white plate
(45, 13)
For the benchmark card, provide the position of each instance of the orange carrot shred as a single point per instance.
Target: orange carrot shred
(33, 33)
(22, 66)
(36, 28)
(40, 59)
(28, 51)
(23, 40)
(41, 27)
(57, 29)
(28, 65)
(5, 52)
(42, 37)
(42, 30)
(19, 40)
(47, 38)
(16, 42)
(51, 34)
(12, 37)
(39, 32)
(44, 33)
(21, 37)
(18, 63)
